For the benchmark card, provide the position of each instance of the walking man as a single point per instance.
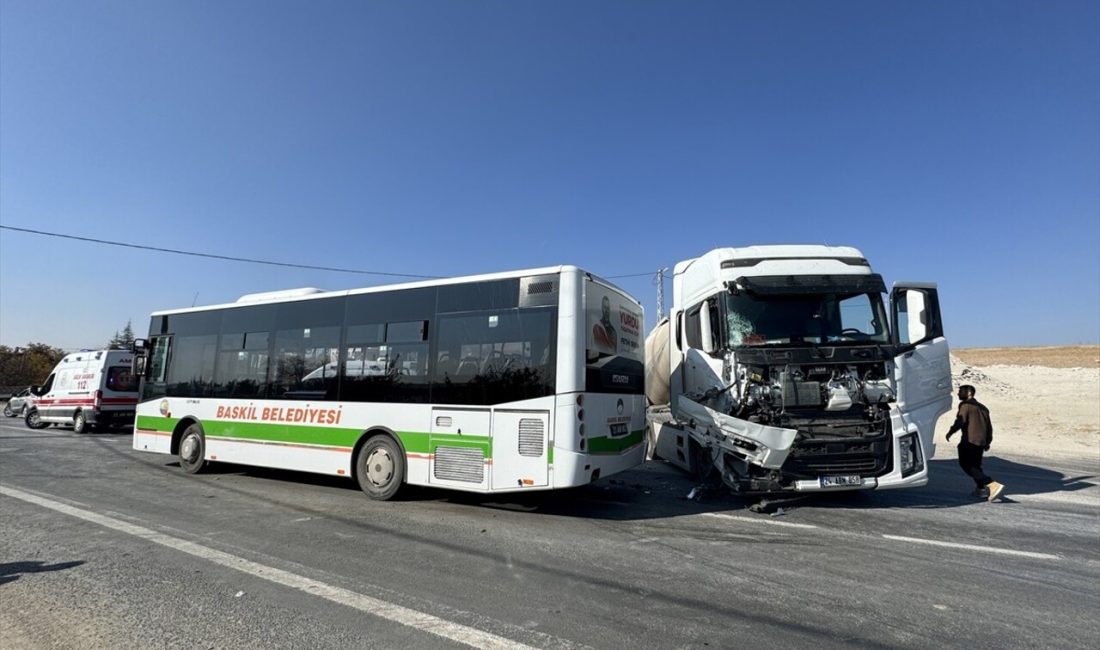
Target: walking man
(977, 434)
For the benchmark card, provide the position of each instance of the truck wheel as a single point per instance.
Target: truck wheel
(80, 423)
(380, 468)
(193, 450)
(34, 421)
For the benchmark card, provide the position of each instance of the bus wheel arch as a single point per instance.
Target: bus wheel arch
(189, 445)
(379, 464)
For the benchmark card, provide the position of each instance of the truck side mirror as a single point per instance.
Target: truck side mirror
(139, 366)
(916, 313)
(139, 346)
(706, 329)
(916, 320)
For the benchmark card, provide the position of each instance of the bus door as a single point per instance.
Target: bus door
(521, 442)
(460, 447)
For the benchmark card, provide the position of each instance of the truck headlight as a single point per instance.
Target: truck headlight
(909, 455)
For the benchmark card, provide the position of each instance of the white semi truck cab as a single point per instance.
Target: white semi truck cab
(782, 369)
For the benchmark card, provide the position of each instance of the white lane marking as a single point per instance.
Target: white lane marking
(914, 540)
(754, 520)
(409, 617)
(974, 547)
(1085, 496)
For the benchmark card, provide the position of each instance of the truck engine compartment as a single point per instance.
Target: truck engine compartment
(837, 399)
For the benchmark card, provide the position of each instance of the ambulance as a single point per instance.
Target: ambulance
(87, 390)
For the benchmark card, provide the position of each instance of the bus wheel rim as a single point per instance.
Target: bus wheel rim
(379, 467)
(190, 448)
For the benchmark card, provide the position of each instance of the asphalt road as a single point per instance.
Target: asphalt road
(102, 546)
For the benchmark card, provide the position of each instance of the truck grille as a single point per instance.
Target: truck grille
(810, 459)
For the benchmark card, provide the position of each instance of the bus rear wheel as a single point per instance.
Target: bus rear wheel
(192, 449)
(380, 468)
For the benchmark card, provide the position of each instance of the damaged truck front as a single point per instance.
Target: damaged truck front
(779, 369)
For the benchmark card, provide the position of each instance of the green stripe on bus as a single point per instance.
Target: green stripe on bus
(296, 434)
(614, 445)
(453, 440)
(150, 423)
(413, 441)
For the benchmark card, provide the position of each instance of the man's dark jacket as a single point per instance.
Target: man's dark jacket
(973, 420)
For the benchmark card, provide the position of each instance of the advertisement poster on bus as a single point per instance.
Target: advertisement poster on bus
(614, 349)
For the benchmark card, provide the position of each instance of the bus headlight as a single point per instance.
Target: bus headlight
(909, 455)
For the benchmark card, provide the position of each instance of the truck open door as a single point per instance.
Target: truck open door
(922, 367)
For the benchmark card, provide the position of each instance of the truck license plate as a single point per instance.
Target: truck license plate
(840, 481)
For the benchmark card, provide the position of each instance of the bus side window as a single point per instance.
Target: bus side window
(305, 363)
(243, 365)
(191, 371)
(502, 356)
(386, 362)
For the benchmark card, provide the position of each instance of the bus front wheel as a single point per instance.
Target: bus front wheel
(380, 468)
(192, 450)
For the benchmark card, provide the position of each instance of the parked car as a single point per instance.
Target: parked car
(17, 405)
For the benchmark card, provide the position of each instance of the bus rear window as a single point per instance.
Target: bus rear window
(121, 380)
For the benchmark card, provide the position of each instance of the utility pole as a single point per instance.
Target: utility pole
(660, 280)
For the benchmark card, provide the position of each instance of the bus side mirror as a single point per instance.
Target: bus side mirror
(140, 348)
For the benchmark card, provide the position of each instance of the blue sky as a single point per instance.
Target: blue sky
(955, 142)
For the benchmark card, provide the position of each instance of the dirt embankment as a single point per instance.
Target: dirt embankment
(1065, 356)
(1043, 401)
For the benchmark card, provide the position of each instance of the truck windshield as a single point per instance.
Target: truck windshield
(840, 318)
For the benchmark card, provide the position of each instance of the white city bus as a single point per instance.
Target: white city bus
(528, 380)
